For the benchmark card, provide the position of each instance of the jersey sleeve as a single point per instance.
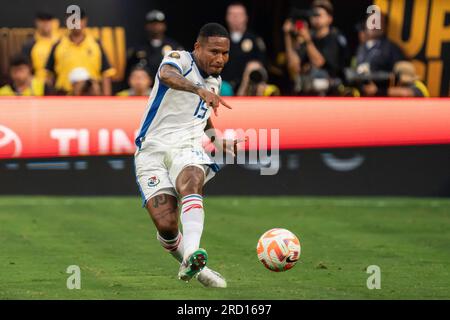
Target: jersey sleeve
(178, 59)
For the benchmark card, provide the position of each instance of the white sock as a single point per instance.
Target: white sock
(192, 218)
(173, 246)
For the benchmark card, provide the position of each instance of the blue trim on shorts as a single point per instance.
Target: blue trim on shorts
(144, 201)
(214, 167)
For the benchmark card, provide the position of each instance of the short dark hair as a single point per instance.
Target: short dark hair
(19, 60)
(324, 4)
(140, 67)
(237, 4)
(213, 30)
(44, 16)
(83, 14)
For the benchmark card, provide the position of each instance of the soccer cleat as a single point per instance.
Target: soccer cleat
(211, 279)
(193, 265)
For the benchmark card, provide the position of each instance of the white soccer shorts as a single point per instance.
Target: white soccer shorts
(157, 168)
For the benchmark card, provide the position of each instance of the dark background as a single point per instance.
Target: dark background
(184, 17)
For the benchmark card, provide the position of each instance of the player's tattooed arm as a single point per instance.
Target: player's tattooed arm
(171, 77)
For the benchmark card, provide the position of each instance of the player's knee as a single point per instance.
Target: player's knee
(192, 187)
(190, 181)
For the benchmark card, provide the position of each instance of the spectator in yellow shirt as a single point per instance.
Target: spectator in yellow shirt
(140, 83)
(79, 50)
(38, 48)
(22, 81)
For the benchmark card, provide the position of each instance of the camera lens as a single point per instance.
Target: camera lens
(256, 76)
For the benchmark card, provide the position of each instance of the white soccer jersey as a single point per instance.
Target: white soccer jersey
(177, 118)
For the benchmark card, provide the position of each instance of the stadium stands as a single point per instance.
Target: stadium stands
(333, 78)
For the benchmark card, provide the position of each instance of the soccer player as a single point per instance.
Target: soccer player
(171, 164)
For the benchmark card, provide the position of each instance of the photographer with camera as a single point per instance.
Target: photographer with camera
(403, 82)
(321, 47)
(254, 82)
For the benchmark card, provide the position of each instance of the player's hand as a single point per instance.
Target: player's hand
(212, 100)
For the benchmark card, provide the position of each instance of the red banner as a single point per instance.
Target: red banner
(61, 126)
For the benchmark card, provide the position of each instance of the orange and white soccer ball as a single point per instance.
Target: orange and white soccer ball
(278, 249)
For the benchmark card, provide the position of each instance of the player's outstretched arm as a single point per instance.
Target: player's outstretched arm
(172, 78)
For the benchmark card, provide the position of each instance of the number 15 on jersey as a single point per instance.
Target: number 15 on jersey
(201, 110)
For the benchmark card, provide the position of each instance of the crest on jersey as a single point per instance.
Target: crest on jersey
(153, 181)
(174, 55)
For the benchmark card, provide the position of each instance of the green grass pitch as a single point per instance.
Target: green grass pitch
(113, 241)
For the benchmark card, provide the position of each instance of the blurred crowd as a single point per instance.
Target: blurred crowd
(317, 60)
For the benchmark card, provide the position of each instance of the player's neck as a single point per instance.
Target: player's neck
(77, 37)
(322, 32)
(21, 87)
(203, 73)
(44, 35)
(240, 29)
